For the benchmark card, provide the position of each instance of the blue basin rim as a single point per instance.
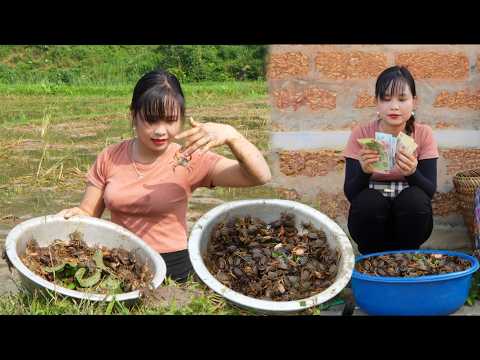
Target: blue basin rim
(419, 279)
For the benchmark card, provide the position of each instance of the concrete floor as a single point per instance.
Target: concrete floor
(463, 311)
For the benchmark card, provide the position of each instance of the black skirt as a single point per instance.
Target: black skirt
(178, 264)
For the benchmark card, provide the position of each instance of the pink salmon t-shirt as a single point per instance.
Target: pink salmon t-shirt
(423, 136)
(153, 207)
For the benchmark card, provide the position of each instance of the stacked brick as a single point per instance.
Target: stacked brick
(328, 88)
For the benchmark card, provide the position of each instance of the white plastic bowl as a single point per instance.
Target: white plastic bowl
(269, 210)
(95, 231)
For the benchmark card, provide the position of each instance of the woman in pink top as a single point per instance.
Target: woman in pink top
(146, 181)
(393, 210)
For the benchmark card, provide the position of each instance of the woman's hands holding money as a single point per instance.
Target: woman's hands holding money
(407, 164)
(367, 159)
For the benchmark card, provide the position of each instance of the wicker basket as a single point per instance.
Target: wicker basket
(466, 183)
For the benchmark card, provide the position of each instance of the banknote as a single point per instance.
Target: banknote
(387, 146)
(371, 144)
(389, 143)
(383, 165)
(406, 143)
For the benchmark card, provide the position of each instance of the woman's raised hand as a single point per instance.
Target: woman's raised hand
(205, 136)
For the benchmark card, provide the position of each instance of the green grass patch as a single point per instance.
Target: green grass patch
(125, 64)
(50, 303)
(206, 303)
(203, 90)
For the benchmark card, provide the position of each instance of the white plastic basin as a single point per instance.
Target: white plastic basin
(95, 231)
(269, 210)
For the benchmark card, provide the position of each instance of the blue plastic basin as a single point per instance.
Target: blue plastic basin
(424, 295)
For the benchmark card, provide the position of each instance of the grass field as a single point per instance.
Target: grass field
(124, 64)
(49, 137)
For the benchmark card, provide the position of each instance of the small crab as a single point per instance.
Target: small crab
(180, 159)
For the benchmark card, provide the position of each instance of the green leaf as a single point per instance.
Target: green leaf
(70, 269)
(98, 258)
(331, 303)
(54, 269)
(276, 254)
(110, 308)
(89, 281)
(70, 286)
(121, 308)
(112, 285)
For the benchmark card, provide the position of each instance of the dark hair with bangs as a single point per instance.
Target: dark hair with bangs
(391, 82)
(158, 95)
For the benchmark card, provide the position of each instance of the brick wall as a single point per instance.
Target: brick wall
(319, 92)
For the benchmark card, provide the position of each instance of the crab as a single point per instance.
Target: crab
(180, 159)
